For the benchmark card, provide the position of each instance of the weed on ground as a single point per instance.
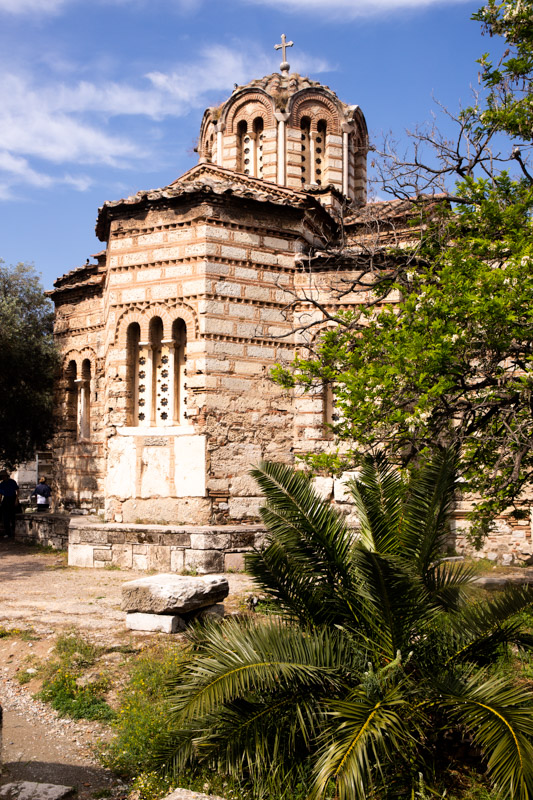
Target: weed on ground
(64, 686)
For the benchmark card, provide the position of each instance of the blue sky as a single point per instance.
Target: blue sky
(100, 98)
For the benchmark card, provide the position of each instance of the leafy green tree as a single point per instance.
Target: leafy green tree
(377, 671)
(451, 362)
(28, 361)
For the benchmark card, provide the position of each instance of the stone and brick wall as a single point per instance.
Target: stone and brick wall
(202, 549)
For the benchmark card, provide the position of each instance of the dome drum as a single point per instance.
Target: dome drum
(292, 131)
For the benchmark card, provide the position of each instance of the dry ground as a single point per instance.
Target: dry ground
(42, 597)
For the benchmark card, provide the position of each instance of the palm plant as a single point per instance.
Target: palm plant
(378, 669)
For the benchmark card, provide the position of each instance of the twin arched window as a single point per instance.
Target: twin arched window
(156, 375)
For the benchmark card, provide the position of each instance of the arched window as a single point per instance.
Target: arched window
(244, 152)
(135, 376)
(320, 150)
(84, 401)
(258, 136)
(305, 127)
(159, 366)
(179, 344)
(156, 375)
(71, 374)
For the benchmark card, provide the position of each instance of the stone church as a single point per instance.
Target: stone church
(165, 399)
(168, 339)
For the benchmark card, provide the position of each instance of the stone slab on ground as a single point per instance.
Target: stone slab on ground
(173, 594)
(30, 790)
(157, 623)
(502, 581)
(186, 794)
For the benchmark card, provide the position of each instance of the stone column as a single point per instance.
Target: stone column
(312, 156)
(220, 142)
(346, 128)
(282, 118)
(83, 387)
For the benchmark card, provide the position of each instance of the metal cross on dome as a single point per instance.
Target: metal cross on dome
(284, 66)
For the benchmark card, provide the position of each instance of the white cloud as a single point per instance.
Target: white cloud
(350, 8)
(73, 123)
(31, 6)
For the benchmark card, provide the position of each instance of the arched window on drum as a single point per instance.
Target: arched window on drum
(135, 375)
(320, 160)
(258, 137)
(305, 128)
(243, 147)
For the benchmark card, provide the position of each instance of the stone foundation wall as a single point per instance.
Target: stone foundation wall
(203, 549)
(49, 530)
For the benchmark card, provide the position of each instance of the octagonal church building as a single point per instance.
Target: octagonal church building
(168, 339)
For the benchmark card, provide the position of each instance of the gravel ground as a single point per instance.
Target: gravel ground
(39, 593)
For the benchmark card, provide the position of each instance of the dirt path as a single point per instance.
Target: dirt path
(42, 597)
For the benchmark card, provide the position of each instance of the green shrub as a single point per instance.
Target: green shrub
(141, 722)
(79, 702)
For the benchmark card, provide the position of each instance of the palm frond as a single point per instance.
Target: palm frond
(497, 715)
(365, 734)
(424, 528)
(378, 494)
(481, 628)
(234, 659)
(306, 563)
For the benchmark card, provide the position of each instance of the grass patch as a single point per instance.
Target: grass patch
(25, 634)
(79, 702)
(63, 686)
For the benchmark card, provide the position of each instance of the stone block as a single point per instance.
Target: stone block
(341, 493)
(187, 794)
(29, 790)
(163, 623)
(80, 555)
(243, 507)
(159, 558)
(209, 541)
(170, 594)
(234, 562)
(103, 555)
(177, 560)
(139, 561)
(123, 555)
(323, 486)
(215, 611)
(204, 561)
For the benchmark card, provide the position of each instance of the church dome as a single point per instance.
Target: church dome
(290, 130)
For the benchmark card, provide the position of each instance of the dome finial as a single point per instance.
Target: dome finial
(284, 66)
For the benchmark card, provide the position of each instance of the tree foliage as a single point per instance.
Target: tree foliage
(377, 671)
(451, 362)
(28, 362)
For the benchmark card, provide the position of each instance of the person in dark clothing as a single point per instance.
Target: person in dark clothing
(9, 492)
(42, 494)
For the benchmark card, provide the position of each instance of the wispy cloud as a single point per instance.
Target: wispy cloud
(350, 8)
(78, 123)
(32, 6)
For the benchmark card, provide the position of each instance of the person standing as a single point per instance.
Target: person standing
(42, 494)
(9, 492)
